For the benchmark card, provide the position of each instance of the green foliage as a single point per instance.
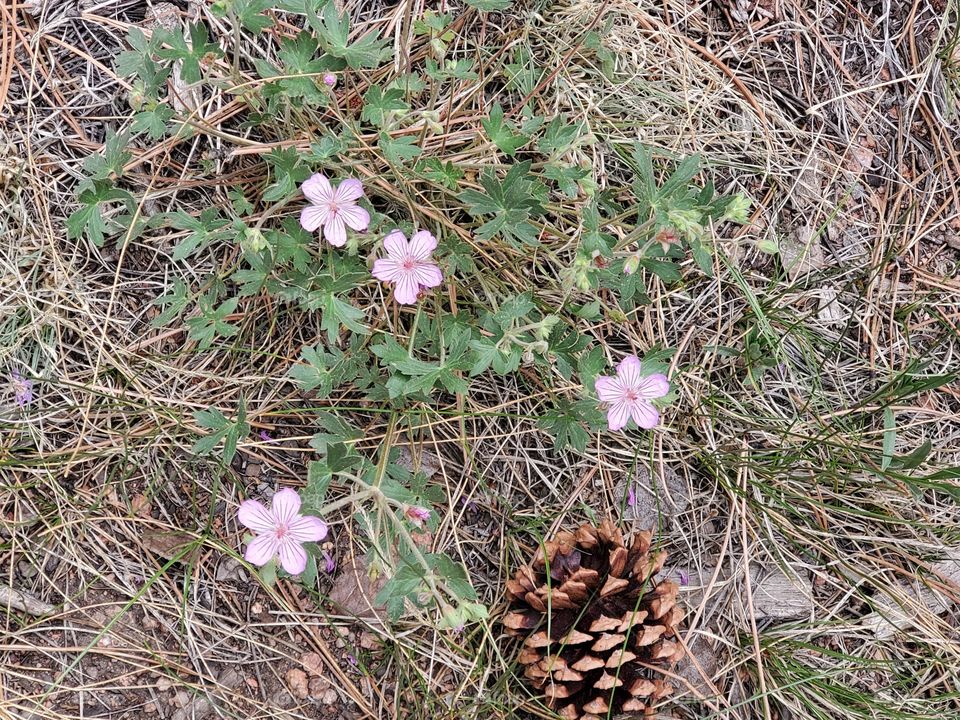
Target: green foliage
(398, 150)
(109, 164)
(334, 31)
(249, 13)
(409, 375)
(89, 220)
(300, 70)
(379, 105)
(502, 132)
(323, 369)
(222, 430)
(568, 423)
(443, 173)
(287, 171)
(511, 202)
(202, 231)
(211, 322)
(191, 56)
(488, 5)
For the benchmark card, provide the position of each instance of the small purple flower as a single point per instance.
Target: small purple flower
(631, 496)
(22, 389)
(352, 660)
(329, 79)
(329, 564)
(265, 436)
(684, 577)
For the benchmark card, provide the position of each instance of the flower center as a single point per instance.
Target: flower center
(632, 395)
(409, 263)
(281, 531)
(332, 207)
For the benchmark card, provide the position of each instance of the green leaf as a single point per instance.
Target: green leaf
(323, 370)
(489, 5)
(334, 30)
(176, 301)
(510, 201)
(89, 219)
(558, 136)
(248, 13)
(502, 133)
(681, 176)
(203, 230)
(337, 313)
(318, 482)
(446, 174)
(288, 170)
(153, 122)
(212, 323)
(109, 164)
(567, 178)
(663, 269)
(377, 104)
(190, 56)
(398, 150)
(889, 437)
(222, 430)
(564, 423)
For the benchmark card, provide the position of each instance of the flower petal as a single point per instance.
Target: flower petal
(406, 289)
(313, 216)
(254, 515)
(335, 232)
(349, 189)
(396, 245)
(261, 550)
(618, 415)
(644, 414)
(387, 270)
(307, 529)
(355, 217)
(422, 244)
(609, 389)
(653, 386)
(317, 189)
(293, 558)
(629, 371)
(427, 274)
(286, 506)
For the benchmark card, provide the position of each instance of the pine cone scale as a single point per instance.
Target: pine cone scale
(596, 622)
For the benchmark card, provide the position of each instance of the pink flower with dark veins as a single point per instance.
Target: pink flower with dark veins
(628, 395)
(281, 530)
(408, 265)
(417, 515)
(333, 210)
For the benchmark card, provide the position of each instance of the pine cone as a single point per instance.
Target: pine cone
(599, 622)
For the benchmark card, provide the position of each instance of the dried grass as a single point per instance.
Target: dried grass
(780, 474)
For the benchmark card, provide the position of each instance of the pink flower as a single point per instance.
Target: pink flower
(329, 79)
(281, 530)
(628, 394)
(335, 210)
(409, 265)
(417, 515)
